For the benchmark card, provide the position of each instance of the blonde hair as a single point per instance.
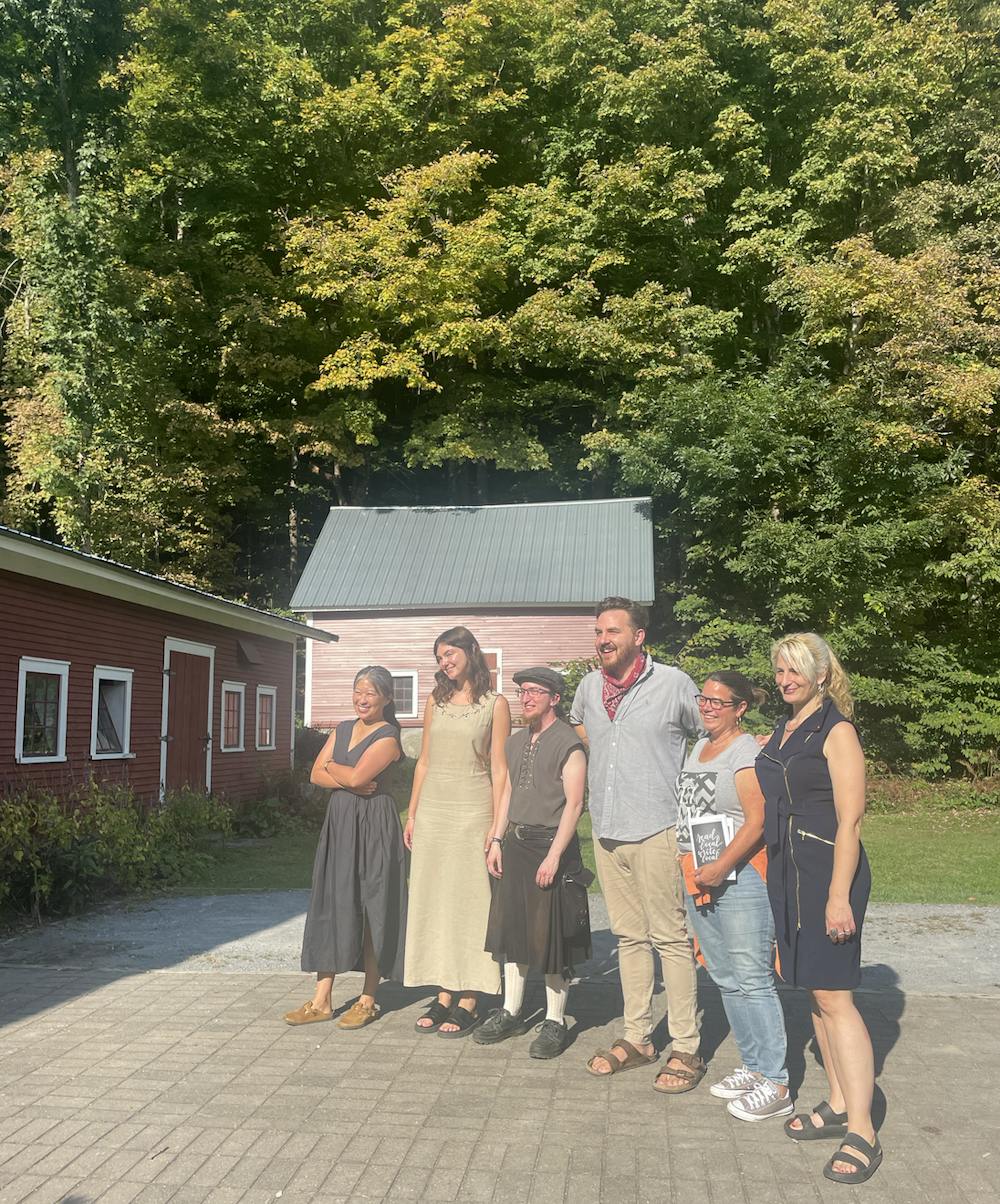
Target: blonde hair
(810, 655)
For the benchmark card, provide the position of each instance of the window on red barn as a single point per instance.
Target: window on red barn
(232, 715)
(267, 703)
(111, 718)
(41, 710)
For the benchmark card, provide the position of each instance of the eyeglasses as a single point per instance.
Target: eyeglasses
(530, 692)
(713, 704)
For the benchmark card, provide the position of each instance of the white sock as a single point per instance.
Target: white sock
(514, 978)
(556, 993)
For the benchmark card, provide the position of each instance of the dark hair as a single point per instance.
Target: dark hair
(741, 687)
(381, 679)
(638, 615)
(480, 682)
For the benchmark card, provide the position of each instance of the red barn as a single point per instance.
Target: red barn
(523, 578)
(115, 674)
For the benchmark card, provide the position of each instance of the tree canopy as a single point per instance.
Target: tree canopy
(260, 257)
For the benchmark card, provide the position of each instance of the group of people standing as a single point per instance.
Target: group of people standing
(497, 883)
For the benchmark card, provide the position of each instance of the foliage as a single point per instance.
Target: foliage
(57, 854)
(258, 258)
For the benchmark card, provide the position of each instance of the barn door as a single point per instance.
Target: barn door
(188, 727)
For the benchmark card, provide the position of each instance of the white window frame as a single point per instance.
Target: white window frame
(240, 688)
(109, 673)
(272, 693)
(415, 679)
(498, 653)
(60, 669)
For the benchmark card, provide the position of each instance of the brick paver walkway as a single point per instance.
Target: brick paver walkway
(187, 1087)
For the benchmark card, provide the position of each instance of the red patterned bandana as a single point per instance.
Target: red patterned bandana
(614, 691)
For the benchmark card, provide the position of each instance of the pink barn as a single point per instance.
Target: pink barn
(524, 578)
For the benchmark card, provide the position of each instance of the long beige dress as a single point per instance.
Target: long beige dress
(449, 883)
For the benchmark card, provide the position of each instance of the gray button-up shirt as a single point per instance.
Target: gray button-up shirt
(635, 760)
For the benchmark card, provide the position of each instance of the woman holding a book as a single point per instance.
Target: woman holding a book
(812, 772)
(720, 828)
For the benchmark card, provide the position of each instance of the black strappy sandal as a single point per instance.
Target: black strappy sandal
(437, 1014)
(465, 1020)
(863, 1171)
(834, 1124)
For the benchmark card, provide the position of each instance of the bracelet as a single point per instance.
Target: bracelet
(496, 840)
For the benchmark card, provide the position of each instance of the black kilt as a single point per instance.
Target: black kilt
(548, 930)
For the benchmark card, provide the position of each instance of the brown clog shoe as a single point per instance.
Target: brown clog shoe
(307, 1014)
(359, 1015)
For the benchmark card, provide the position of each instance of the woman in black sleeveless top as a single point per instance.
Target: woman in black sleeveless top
(357, 908)
(812, 773)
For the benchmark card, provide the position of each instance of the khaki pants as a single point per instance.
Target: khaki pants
(642, 886)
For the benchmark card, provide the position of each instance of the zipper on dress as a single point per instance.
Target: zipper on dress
(813, 836)
(791, 843)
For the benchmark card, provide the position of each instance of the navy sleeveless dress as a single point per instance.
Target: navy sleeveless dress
(359, 873)
(800, 824)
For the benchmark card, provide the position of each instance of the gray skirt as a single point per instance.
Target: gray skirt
(359, 873)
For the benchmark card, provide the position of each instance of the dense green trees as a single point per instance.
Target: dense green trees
(257, 257)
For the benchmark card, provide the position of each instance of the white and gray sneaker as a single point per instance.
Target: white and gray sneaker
(736, 1084)
(763, 1102)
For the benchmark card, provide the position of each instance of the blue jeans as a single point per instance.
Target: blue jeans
(735, 932)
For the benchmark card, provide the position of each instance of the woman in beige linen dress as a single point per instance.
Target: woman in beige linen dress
(457, 786)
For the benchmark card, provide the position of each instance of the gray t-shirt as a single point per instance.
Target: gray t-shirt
(709, 787)
(635, 758)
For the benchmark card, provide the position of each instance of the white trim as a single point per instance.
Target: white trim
(60, 669)
(108, 673)
(272, 693)
(240, 688)
(307, 701)
(414, 678)
(498, 653)
(44, 561)
(170, 644)
(292, 702)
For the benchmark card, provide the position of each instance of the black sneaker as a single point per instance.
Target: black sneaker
(552, 1039)
(500, 1025)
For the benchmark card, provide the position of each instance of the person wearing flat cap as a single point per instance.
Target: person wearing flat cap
(539, 917)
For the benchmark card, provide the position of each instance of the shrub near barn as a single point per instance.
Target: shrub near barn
(60, 853)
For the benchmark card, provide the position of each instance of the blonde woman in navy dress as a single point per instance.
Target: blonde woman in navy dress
(357, 909)
(812, 773)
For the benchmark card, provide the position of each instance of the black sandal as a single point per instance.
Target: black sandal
(834, 1124)
(437, 1014)
(863, 1170)
(465, 1020)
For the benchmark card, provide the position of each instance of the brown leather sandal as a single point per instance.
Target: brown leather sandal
(359, 1014)
(633, 1059)
(693, 1074)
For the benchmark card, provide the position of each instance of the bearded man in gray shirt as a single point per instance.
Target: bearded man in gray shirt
(637, 717)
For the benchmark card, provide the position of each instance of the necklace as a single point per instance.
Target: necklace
(800, 718)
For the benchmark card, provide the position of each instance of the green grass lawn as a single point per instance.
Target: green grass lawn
(933, 857)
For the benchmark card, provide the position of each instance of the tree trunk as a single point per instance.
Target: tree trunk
(70, 166)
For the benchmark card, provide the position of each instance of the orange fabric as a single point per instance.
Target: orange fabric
(702, 898)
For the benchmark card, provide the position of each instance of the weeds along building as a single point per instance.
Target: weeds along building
(523, 578)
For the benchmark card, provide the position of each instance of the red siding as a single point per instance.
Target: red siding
(41, 619)
(406, 642)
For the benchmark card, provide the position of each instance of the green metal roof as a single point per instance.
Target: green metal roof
(550, 554)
